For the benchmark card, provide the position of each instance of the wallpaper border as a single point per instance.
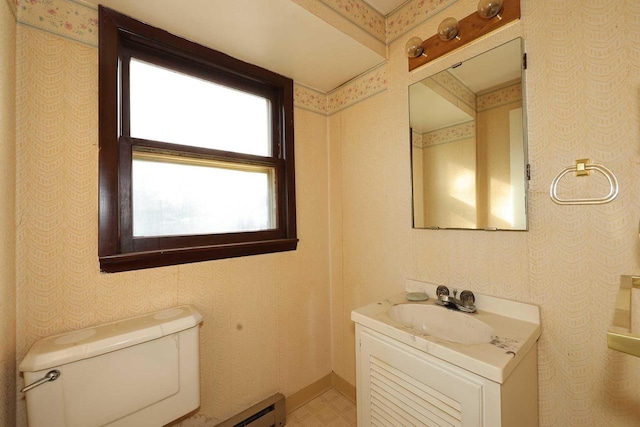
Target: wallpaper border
(499, 97)
(360, 14)
(358, 89)
(412, 14)
(75, 19)
(65, 18)
(449, 134)
(309, 99)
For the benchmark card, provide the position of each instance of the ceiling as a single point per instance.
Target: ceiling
(385, 7)
(429, 111)
(278, 35)
(492, 68)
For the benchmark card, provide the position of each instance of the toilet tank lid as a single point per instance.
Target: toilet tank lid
(89, 342)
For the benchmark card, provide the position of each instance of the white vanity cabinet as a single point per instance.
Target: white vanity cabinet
(398, 385)
(409, 376)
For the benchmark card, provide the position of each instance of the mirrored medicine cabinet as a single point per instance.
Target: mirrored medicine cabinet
(468, 144)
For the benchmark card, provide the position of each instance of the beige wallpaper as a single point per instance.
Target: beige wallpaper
(7, 216)
(583, 86)
(444, 166)
(266, 325)
(495, 146)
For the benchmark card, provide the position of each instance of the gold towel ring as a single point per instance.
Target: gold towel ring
(582, 168)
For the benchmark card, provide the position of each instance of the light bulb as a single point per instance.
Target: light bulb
(448, 29)
(490, 8)
(414, 47)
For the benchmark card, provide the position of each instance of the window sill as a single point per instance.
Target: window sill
(140, 260)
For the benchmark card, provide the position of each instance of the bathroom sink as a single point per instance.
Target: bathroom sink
(442, 323)
(490, 342)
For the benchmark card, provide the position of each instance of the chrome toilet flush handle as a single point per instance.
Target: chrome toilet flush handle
(51, 376)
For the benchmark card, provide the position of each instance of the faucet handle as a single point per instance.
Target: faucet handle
(442, 291)
(467, 298)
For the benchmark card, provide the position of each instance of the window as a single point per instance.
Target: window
(196, 151)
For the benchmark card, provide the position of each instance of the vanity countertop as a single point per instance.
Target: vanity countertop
(516, 328)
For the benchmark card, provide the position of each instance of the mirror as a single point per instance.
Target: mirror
(468, 144)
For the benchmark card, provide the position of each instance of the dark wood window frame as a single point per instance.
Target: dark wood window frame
(121, 38)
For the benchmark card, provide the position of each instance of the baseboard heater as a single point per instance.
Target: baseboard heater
(268, 413)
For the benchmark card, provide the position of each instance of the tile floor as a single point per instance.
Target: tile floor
(330, 409)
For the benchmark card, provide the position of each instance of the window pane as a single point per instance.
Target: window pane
(177, 108)
(173, 197)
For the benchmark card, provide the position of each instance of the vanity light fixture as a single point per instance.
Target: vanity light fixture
(490, 15)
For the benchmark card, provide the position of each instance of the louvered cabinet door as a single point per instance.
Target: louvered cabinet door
(400, 386)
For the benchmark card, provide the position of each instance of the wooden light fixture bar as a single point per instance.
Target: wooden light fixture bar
(471, 28)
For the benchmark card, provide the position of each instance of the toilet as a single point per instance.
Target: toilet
(142, 371)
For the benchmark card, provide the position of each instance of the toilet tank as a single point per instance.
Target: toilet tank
(142, 371)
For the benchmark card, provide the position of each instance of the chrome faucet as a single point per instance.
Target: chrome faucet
(465, 303)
